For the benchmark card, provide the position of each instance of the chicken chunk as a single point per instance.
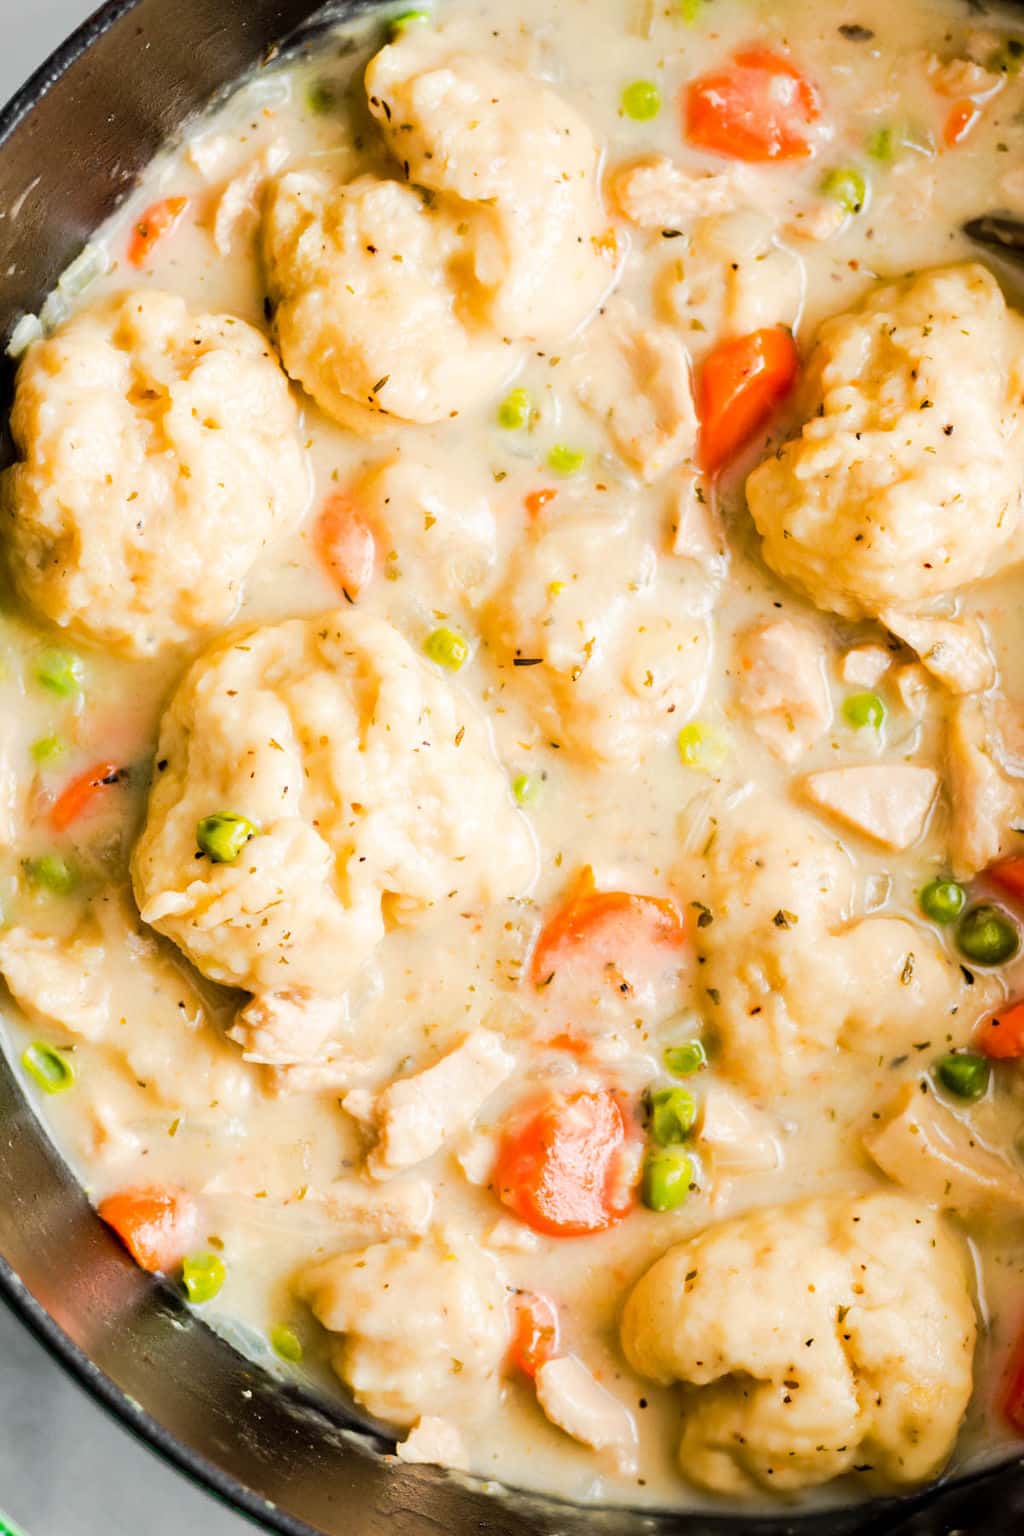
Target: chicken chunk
(613, 662)
(415, 1116)
(905, 481)
(788, 977)
(654, 192)
(739, 1137)
(368, 335)
(113, 984)
(369, 784)
(578, 1404)
(237, 211)
(160, 454)
(519, 164)
(937, 1156)
(735, 278)
(634, 377)
(888, 802)
(434, 1442)
(697, 533)
(955, 651)
(816, 1339)
(986, 785)
(865, 665)
(961, 77)
(781, 686)
(423, 1325)
(288, 1029)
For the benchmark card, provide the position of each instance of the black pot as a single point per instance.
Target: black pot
(70, 144)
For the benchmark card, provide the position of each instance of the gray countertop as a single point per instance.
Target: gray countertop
(66, 1468)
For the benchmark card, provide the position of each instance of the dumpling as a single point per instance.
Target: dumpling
(905, 481)
(370, 336)
(372, 793)
(423, 1323)
(787, 977)
(519, 162)
(824, 1337)
(160, 453)
(409, 300)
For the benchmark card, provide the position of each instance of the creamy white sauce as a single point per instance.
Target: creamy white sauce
(258, 1158)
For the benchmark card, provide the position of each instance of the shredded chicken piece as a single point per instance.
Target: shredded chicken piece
(634, 376)
(986, 785)
(934, 1154)
(912, 688)
(576, 1402)
(782, 687)
(961, 77)
(656, 193)
(865, 665)
(889, 802)
(696, 530)
(282, 1029)
(435, 1442)
(237, 214)
(740, 1137)
(415, 1116)
(955, 651)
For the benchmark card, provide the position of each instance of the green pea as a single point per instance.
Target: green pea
(284, 1341)
(526, 788)
(60, 672)
(862, 709)
(419, 17)
(942, 900)
(223, 836)
(641, 101)
(988, 935)
(47, 750)
(673, 1111)
(686, 1059)
(50, 1067)
(447, 648)
(667, 1177)
(202, 1275)
(690, 10)
(1008, 57)
(322, 97)
(51, 872)
(881, 144)
(963, 1073)
(515, 410)
(702, 747)
(566, 461)
(847, 187)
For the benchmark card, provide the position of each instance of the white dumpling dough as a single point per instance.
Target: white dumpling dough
(788, 977)
(374, 786)
(161, 452)
(905, 481)
(824, 1337)
(621, 662)
(409, 299)
(368, 336)
(521, 164)
(423, 1322)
